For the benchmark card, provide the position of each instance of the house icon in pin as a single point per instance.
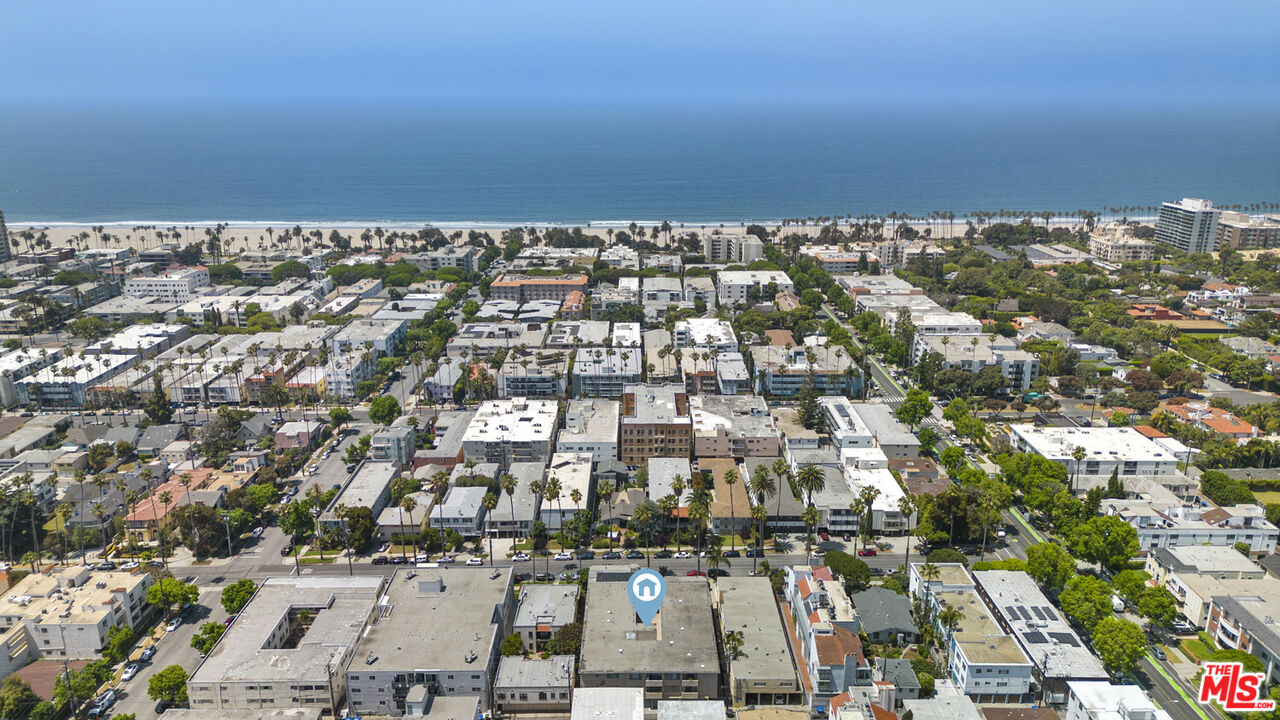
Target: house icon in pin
(645, 589)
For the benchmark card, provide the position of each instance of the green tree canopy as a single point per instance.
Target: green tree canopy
(1086, 600)
(208, 635)
(169, 593)
(1119, 643)
(384, 410)
(236, 595)
(1107, 541)
(853, 571)
(1050, 565)
(169, 685)
(1130, 584)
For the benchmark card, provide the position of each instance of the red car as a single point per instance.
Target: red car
(825, 537)
(695, 573)
(867, 552)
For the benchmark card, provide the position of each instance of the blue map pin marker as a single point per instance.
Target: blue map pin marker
(646, 588)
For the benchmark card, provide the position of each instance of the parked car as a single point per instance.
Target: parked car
(257, 532)
(826, 537)
(732, 553)
(586, 555)
(1158, 653)
(635, 555)
(717, 572)
(683, 555)
(662, 554)
(286, 549)
(521, 557)
(230, 619)
(475, 562)
(130, 670)
(1184, 627)
(173, 624)
(867, 552)
(446, 559)
(563, 556)
(397, 560)
(382, 560)
(543, 577)
(612, 556)
(105, 565)
(383, 547)
(695, 573)
(148, 652)
(755, 553)
(132, 565)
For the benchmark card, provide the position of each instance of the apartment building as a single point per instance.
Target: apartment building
(655, 423)
(1165, 523)
(977, 352)
(733, 427)
(766, 676)
(511, 430)
(1116, 244)
(590, 426)
(1190, 225)
(605, 373)
(1240, 232)
(705, 333)
(526, 288)
(740, 286)
(178, 285)
(781, 372)
(1122, 449)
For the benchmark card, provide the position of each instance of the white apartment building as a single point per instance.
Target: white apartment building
(706, 333)
(174, 285)
(735, 285)
(1121, 449)
(18, 364)
(1161, 523)
(67, 614)
(661, 291)
(380, 336)
(1116, 244)
(591, 426)
(846, 428)
(66, 382)
(985, 662)
(973, 353)
(1100, 700)
(512, 430)
(1190, 225)
(344, 373)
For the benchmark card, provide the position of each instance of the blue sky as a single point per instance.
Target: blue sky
(1110, 54)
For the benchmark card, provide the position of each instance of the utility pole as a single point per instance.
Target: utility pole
(226, 519)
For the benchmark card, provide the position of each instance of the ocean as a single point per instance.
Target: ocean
(406, 166)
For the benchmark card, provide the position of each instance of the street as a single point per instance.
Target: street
(174, 648)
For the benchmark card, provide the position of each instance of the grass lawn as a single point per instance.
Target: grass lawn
(1197, 650)
(1267, 496)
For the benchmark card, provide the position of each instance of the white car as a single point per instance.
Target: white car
(422, 558)
(129, 672)
(561, 556)
(131, 565)
(474, 562)
(445, 559)
(682, 555)
(521, 557)
(173, 624)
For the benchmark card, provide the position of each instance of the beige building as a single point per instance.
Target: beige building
(736, 426)
(673, 658)
(763, 673)
(1241, 232)
(655, 423)
(525, 288)
(1115, 243)
(289, 647)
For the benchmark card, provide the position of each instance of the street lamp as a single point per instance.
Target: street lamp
(226, 519)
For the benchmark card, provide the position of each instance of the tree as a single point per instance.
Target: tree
(1130, 584)
(119, 639)
(1159, 606)
(1050, 565)
(1086, 600)
(915, 408)
(512, 645)
(169, 685)
(236, 595)
(1119, 418)
(339, 416)
(852, 570)
(1107, 541)
(170, 593)
(208, 635)
(361, 527)
(947, 555)
(733, 641)
(16, 698)
(290, 269)
(1120, 644)
(384, 410)
(567, 640)
(157, 406)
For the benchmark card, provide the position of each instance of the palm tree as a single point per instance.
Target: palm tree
(810, 521)
(165, 499)
(929, 572)
(677, 489)
(1078, 453)
(715, 556)
(63, 512)
(698, 515)
(811, 479)
(508, 485)
(950, 618)
(407, 504)
(606, 488)
(758, 514)
(576, 496)
(490, 502)
(907, 506)
(643, 518)
(439, 485)
(782, 471)
(275, 395)
(731, 479)
(867, 496)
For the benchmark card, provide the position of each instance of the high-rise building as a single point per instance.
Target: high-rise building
(5, 254)
(1190, 225)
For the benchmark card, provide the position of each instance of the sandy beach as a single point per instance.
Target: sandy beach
(250, 237)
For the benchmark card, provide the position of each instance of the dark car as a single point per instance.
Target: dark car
(732, 553)
(585, 555)
(544, 577)
(382, 560)
(754, 553)
(397, 560)
(662, 554)
(106, 565)
(288, 548)
(717, 572)
(611, 556)
(635, 555)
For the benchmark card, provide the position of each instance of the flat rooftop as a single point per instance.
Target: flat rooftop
(339, 607)
(980, 636)
(590, 421)
(1040, 628)
(1107, 444)
(736, 415)
(365, 486)
(513, 420)
(748, 605)
(436, 619)
(681, 638)
(553, 605)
